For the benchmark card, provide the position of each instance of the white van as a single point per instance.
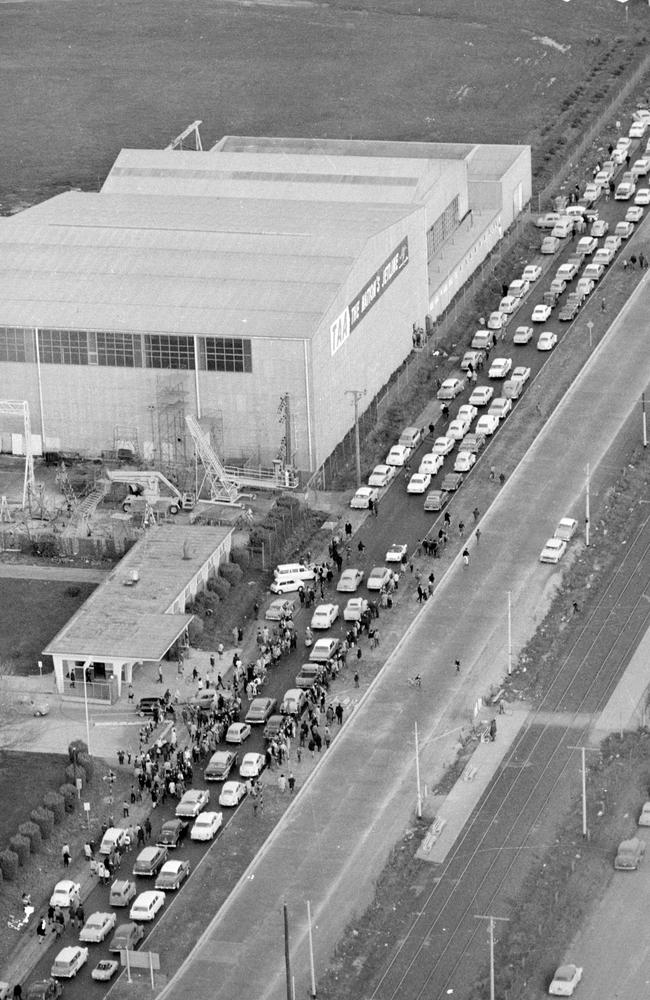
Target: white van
(294, 569)
(410, 437)
(562, 228)
(286, 584)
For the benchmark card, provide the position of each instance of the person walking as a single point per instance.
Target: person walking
(291, 781)
(338, 711)
(457, 665)
(476, 514)
(466, 556)
(461, 528)
(477, 535)
(282, 784)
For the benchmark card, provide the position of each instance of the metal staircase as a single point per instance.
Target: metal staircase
(222, 487)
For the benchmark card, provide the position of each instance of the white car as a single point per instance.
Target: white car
(396, 552)
(467, 411)
(349, 580)
(500, 368)
(464, 460)
(521, 372)
(232, 793)
(566, 528)
(531, 273)
(252, 765)
(482, 395)
(634, 214)
(238, 732)
(541, 313)
(547, 341)
(497, 320)
(97, 927)
(624, 143)
(644, 817)
(377, 578)
(553, 550)
(518, 288)
(382, 475)
(419, 482)
(357, 606)
(585, 287)
(325, 615)
(508, 304)
(642, 196)
(604, 256)
(67, 963)
(586, 245)
(625, 191)
(443, 445)
(523, 335)
(624, 229)
(206, 826)
(114, 838)
(65, 893)
(147, 905)
(458, 428)
(430, 464)
(105, 970)
(614, 241)
(599, 228)
(398, 455)
(487, 424)
(450, 388)
(641, 167)
(500, 408)
(363, 496)
(565, 980)
(637, 130)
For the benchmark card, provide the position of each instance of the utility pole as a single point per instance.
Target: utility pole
(417, 773)
(644, 419)
(492, 920)
(287, 956)
(509, 632)
(311, 953)
(587, 510)
(583, 751)
(357, 395)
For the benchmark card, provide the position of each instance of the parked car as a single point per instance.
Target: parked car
(147, 906)
(500, 408)
(567, 271)
(550, 244)
(458, 428)
(435, 500)
(67, 963)
(363, 496)
(232, 794)
(260, 709)
(357, 606)
(114, 839)
(193, 802)
(481, 395)
(521, 372)
(599, 228)
(149, 861)
(122, 891)
(450, 388)
(547, 220)
(487, 424)
(419, 482)
(396, 552)
(309, 674)
(452, 482)
(464, 460)
(377, 578)
(271, 731)
(171, 833)
(253, 763)
(565, 980)
(553, 550)
(531, 273)
(566, 529)
(443, 445)
(522, 335)
(483, 340)
(324, 650)
(472, 358)
(500, 368)
(431, 464)
(97, 927)
(569, 310)
(634, 214)
(65, 893)
(323, 617)
(238, 732)
(44, 989)
(472, 442)
(206, 826)
(629, 855)
(547, 341)
(127, 937)
(382, 475)
(349, 580)
(398, 455)
(518, 288)
(105, 970)
(541, 313)
(221, 764)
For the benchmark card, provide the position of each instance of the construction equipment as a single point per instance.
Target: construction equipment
(20, 408)
(226, 482)
(150, 488)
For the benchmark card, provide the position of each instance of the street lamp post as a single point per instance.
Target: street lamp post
(491, 920)
(583, 751)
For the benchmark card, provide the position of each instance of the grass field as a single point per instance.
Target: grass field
(82, 80)
(31, 613)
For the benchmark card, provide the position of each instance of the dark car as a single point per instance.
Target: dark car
(171, 833)
(310, 674)
(44, 989)
(148, 705)
(220, 765)
(149, 861)
(273, 727)
(472, 442)
(127, 937)
(260, 710)
(436, 500)
(452, 482)
(569, 310)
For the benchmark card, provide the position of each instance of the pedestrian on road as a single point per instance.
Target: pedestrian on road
(447, 518)
(235, 634)
(493, 472)
(461, 528)
(125, 809)
(478, 535)
(493, 730)
(282, 784)
(338, 711)
(356, 680)
(361, 547)
(457, 665)
(41, 930)
(466, 556)
(476, 514)
(160, 673)
(502, 478)
(220, 651)
(212, 661)
(291, 781)
(603, 306)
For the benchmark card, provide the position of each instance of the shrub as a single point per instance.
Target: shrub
(73, 772)
(195, 630)
(44, 819)
(88, 766)
(232, 573)
(55, 803)
(78, 747)
(21, 847)
(240, 557)
(69, 795)
(221, 587)
(72, 591)
(9, 865)
(33, 833)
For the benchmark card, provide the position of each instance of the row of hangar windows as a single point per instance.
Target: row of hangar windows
(126, 350)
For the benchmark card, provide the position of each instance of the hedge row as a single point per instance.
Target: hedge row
(39, 827)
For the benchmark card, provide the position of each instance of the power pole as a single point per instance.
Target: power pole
(356, 394)
(583, 751)
(492, 920)
(287, 955)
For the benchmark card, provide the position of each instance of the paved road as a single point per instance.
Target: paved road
(334, 840)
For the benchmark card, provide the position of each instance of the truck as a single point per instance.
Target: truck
(147, 486)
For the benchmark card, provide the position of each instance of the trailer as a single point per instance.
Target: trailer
(147, 487)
